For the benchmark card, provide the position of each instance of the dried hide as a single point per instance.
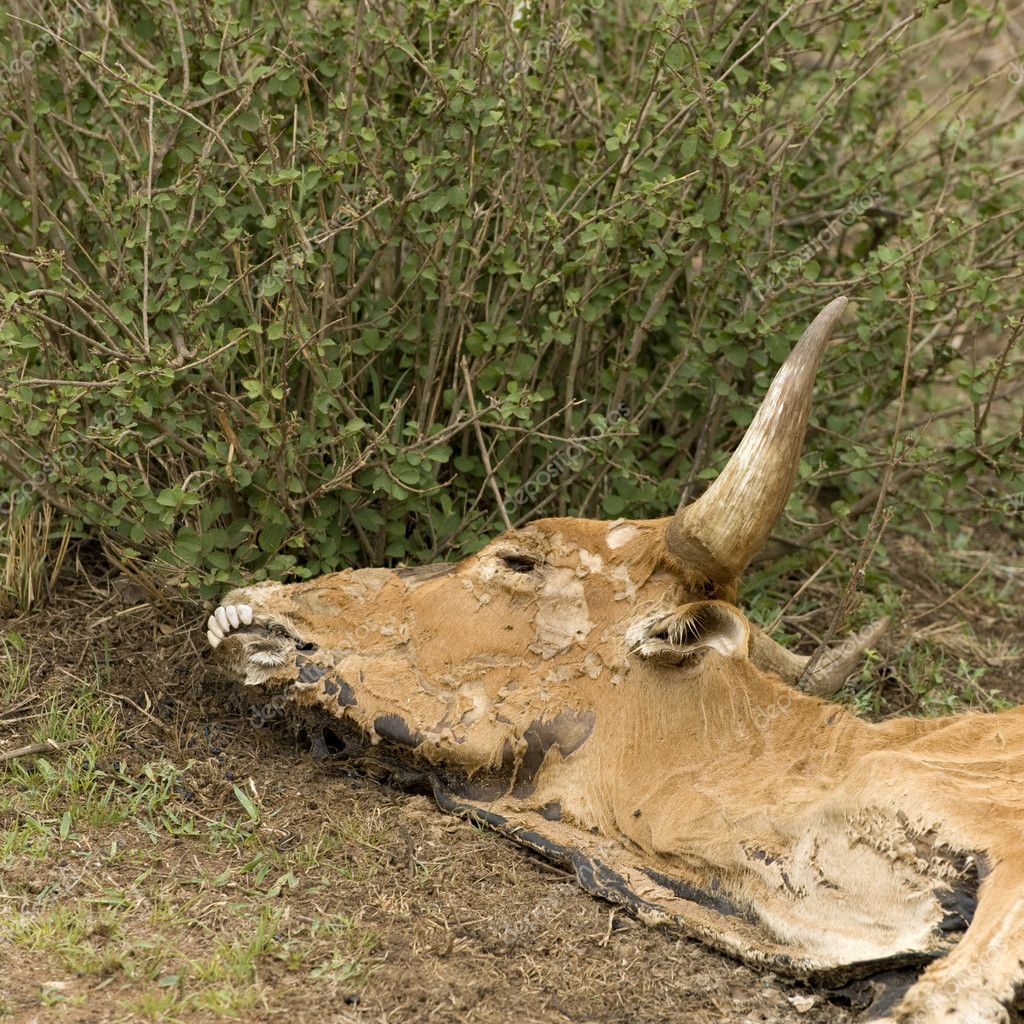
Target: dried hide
(587, 689)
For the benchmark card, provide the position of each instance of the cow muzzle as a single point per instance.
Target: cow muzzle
(256, 647)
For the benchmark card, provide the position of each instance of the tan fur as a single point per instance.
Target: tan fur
(669, 757)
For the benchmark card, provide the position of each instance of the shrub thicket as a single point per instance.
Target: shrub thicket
(276, 276)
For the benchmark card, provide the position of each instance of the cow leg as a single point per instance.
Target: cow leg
(976, 982)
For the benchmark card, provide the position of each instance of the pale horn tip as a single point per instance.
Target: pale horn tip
(822, 326)
(835, 309)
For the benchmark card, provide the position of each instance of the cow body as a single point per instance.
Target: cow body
(586, 688)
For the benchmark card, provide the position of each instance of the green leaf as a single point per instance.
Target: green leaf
(170, 497)
(247, 803)
(272, 536)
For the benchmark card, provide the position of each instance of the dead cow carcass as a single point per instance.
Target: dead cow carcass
(589, 689)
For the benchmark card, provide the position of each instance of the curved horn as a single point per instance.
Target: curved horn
(729, 523)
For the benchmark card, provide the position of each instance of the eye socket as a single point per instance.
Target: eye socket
(303, 646)
(517, 562)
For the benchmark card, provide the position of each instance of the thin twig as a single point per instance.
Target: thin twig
(163, 726)
(148, 233)
(483, 445)
(1000, 366)
(951, 597)
(773, 625)
(46, 747)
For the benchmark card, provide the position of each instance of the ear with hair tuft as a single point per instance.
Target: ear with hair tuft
(688, 632)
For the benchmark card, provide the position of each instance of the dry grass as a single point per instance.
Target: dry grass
(33, 551)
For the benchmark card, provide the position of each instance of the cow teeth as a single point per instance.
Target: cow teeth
(225, 618)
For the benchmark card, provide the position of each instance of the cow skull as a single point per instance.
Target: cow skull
(587, 688)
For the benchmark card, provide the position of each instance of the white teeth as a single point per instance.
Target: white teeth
(226, 618)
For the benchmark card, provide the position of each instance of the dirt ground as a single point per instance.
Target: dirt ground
(172, 861)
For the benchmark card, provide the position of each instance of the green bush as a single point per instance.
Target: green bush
(255, 256)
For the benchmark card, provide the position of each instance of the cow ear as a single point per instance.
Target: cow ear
(690, 631)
